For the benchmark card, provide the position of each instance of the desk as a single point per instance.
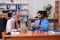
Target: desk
(31, 36)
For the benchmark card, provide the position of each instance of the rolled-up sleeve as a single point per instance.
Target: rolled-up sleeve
(36, 22)
(45, 26)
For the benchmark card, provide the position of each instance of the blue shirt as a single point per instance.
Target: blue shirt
(44, 25)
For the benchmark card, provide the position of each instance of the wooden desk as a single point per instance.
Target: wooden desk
(31, 36)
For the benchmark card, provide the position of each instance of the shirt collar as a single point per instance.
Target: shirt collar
(12, 19)
(42, 19)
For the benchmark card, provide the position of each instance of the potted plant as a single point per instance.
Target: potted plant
(11, 0)
(48, 9)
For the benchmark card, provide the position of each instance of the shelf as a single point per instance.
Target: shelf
(23, 9)
(18, 3)
(2, 3)
(49, 19)
(14, 3)
(57, 6)
(57, 3)
(24, 15)
(56, 11)
(57, 0)
(24, 3)
(7, 9)
(15, 9)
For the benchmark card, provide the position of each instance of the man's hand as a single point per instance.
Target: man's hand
(32, 24)
(18, 29)
(38, 25)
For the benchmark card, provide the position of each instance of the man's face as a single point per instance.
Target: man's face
(40, 15)
(17, 16)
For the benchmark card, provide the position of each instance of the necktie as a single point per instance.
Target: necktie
(15, 25)
(40, 22)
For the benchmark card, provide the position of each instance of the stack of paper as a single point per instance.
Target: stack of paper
(55, 31)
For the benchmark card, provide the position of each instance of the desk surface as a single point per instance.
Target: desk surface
(32, 34)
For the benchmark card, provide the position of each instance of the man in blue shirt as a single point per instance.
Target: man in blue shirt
(41, 24)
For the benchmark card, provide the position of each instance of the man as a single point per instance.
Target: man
(41, 24)
(12, 24)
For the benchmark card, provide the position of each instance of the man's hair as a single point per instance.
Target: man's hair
(13, 15)
(44, 13)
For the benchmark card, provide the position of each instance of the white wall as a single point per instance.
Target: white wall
(35, 5)
(4, 0)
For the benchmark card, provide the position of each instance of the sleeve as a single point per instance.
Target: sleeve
(45, 26)
(36, 22)
(9, 27)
